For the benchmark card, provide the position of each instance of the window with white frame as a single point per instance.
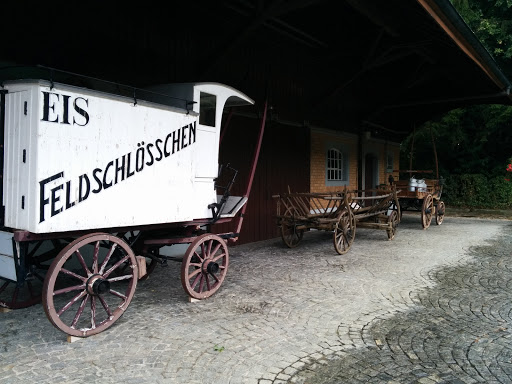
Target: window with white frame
(389, 162)
(336, 166)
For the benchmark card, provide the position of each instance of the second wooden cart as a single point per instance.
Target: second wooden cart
(338, 212)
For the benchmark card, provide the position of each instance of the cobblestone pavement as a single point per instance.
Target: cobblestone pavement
(431, 306)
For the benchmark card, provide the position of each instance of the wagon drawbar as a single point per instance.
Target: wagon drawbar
(96, 183)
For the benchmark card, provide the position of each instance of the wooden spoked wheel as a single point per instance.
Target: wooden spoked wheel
(27, 291)
(440, 212)
(289, 233)
(204, 266)
(84, 293)
(344, 232)
(427, 211)
(393, 221)
(14, 295)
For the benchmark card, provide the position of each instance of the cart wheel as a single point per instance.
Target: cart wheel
(440, 213)
(344, 232)
(204, 266)
(15, 295)
(393, 224)
(289, 233)
(427, 211)
(28, 290)
(83, 293)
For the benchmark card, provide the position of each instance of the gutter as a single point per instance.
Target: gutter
(445, 14)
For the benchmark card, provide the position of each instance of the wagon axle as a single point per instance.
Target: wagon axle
(211, 267)
(97, 285)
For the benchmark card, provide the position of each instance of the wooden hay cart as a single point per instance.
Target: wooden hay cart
(422, 195)
(338, 212)
(298, 212)
(95, 184)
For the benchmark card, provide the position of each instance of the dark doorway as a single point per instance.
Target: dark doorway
(370, 171)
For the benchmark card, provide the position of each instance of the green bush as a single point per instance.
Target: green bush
(478, 191)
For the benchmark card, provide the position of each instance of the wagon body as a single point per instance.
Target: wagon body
(77, 159)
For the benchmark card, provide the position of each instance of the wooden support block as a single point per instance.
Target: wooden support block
(192, 300)
(72, 339)
(141, 264)
(5, 310)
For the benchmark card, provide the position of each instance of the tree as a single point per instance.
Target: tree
(491, 22)
(474, 144)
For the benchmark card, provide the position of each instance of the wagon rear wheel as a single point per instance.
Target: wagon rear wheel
(83, 292)
(393, 224)
(27, 291)
(14, 295)
(204, 266)
(344, 232)
(440, 212)
(289, 233)
(427, 211)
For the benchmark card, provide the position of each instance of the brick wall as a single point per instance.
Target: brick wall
(319, 140)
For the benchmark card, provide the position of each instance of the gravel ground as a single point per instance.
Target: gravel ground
(430, 306)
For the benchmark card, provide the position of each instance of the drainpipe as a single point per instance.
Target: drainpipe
(360, 159)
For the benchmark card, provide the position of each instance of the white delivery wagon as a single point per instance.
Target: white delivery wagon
(95, 183)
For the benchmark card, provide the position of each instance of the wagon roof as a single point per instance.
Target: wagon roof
(185, 91)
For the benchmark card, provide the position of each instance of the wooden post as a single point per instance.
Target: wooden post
(412, 148)
(254, 163)
(435, 153)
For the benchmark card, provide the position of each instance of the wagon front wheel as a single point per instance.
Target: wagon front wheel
(393, 224)
(344, 232)
(427, 211)
(84, 293)
(289, 233)
(440, 212)
(204, 266)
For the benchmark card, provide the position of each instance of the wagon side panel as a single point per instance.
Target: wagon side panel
(20, 156)
(98, 161)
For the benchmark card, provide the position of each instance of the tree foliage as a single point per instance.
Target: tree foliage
(476, 139)
(473, 144)
(491, 21)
